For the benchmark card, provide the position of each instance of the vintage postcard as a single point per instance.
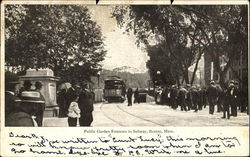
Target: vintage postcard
(124, 78)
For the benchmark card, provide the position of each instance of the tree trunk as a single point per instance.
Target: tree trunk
(186, 76)
(222, 79)
(196, 66)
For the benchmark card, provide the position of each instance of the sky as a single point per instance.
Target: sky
(121, 48)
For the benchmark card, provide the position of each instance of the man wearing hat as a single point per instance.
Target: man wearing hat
(11, 100)
(212, 95)
(41, 106)
(234, 92)
(85, 102)
(22, 115)
(228, 101)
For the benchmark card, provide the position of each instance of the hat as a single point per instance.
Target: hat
(11, 78)
(212, 82)
(31, 96)
(236, 83)
(38, 84)
(27, 83)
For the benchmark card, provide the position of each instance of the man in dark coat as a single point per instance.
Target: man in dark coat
(195, 98)
(11, 100)
(129, 96)
(136, 96)
(189, 99)
(173, 97)
(220, 97)
(212, 95)
(41, 106)
(69, 96)
(61, 100)
(182, 98)
(227, 101)
(22, 115)
(200, 98)
(234, 95)
(85, 103)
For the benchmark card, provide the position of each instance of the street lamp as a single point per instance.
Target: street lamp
(98, 78)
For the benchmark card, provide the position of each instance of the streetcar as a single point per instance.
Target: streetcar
(114, 89)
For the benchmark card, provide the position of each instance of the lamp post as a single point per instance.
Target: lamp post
(98, 79)
(158, 76)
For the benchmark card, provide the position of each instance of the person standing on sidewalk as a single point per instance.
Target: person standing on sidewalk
(86, 102)
(23, 114)
(136, 96)
(212, 94)
(73, 111)
(129, 96)
(41, 107)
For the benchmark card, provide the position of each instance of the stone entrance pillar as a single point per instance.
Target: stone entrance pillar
(48, 80)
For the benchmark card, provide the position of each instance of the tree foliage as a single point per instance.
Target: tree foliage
(61, 37)
(184, 33)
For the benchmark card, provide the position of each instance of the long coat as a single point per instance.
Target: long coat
(11, 103)
(85, 103)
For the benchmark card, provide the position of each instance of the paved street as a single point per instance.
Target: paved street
(151, 114)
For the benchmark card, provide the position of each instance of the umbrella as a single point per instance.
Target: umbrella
(66, 86)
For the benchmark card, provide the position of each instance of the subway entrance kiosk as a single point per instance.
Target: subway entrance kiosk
(48, 80)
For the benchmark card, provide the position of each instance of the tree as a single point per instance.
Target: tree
(216, 30)
(224, 29)
(166, 26)
(61, 37)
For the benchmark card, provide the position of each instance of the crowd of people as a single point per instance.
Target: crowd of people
(26, 106)
(229, 100)
(130, 94)
(76, 103)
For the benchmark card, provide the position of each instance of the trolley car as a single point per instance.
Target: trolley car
(114, 89)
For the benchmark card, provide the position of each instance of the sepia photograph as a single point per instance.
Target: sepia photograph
(124, 78)
(126, 65)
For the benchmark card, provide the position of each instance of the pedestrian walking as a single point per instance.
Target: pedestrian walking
(41, 106)
(61, 101)
(182, 98)
(200, 97)
(228, 100)
(195, 98)
(220, 97)
(73, 111)
(174, 97)
(212, 95)
(86, 102)
(189, 101)
(129, 96)
(136, 96)
(234, 93)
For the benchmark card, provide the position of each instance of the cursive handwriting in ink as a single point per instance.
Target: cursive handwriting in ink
(151, 139)
(79, 140)
(46, 152)
(16, 144)
(77, 152)
(170, 138)
(176, 146)
(17, 151)
(115, 140)
(103, 139)
(157, 151)
(213, 152)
